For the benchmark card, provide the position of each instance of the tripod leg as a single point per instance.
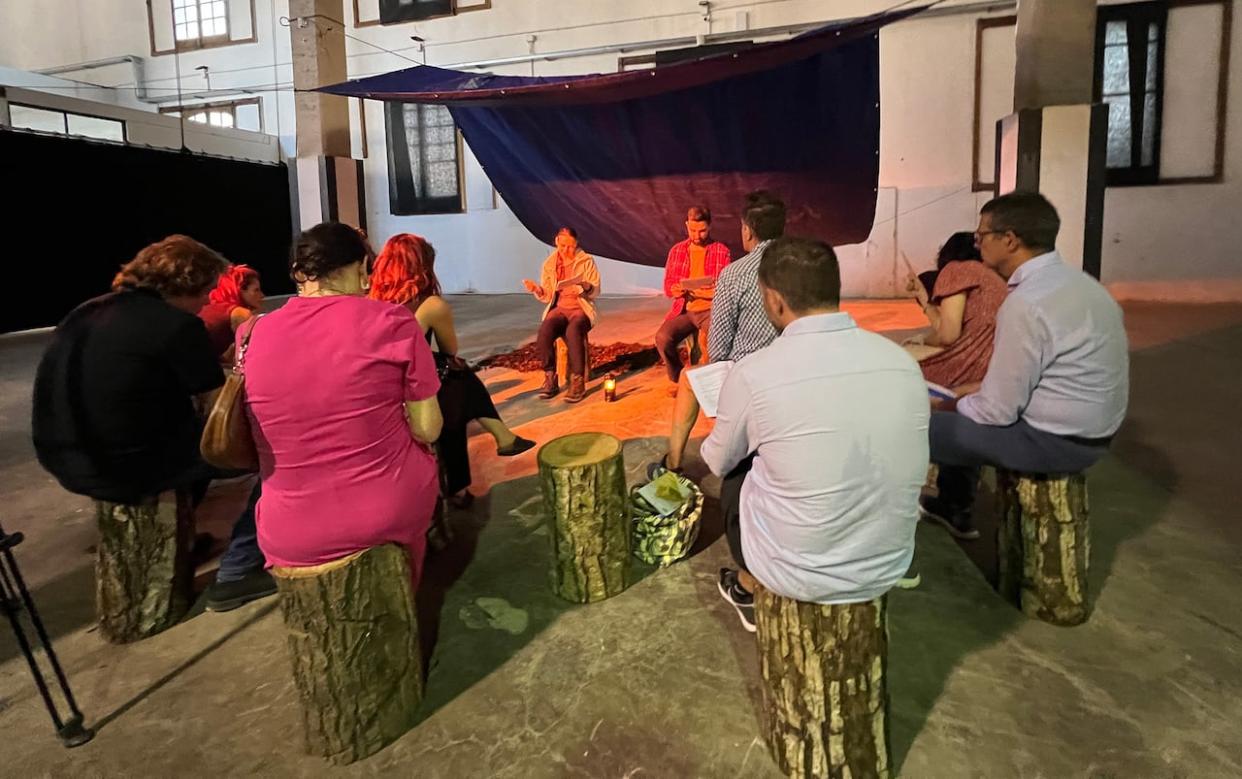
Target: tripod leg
(71, 733)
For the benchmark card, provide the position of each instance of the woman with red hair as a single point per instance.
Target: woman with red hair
(235, 299)
(405, 274)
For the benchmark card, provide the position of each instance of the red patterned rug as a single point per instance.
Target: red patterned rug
(607, 358)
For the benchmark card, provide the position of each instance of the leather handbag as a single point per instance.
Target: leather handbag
(227, 440)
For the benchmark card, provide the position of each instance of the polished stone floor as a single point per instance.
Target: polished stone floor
(660, 681)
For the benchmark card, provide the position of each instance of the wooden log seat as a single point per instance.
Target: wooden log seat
(1044, 545)
(583, 482)
(144, 575)
(353, 644)
(824, 686)
(562, 360)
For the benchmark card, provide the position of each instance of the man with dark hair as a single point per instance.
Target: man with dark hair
(690, 264)
(1057, 385)
(834, 419)
(739, 325)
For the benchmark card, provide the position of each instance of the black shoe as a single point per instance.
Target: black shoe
(655, 469)
(226, 596)
(957, 522)
(742, 601)
(518, 446)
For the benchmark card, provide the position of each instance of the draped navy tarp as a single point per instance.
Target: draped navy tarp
(620, 156)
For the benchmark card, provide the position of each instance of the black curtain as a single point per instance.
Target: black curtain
(78, 210)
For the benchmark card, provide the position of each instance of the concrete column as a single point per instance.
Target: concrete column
(329, 181)
(1055, 141)
(319, 60)
(1056, 53)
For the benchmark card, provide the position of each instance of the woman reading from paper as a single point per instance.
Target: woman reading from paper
(569, 284)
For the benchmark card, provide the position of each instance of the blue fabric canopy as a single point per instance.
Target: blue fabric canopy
(619, 157)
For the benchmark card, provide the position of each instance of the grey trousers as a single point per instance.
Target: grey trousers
(960, 445)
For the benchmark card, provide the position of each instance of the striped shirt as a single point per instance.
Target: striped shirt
(739, 324)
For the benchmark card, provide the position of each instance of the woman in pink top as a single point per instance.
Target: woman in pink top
(341, 393)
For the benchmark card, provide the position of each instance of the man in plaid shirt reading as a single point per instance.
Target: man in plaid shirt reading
(690, 280)
(740, 325)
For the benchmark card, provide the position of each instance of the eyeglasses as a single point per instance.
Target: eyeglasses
(980, 233)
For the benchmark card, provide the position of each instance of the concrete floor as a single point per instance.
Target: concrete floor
(661, 681)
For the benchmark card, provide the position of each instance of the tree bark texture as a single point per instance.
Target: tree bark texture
(1044, 545)
(562, 360)
(583, 481)
(143, 572)
(825, 692)
(353, 643)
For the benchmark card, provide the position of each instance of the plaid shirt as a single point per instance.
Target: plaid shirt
(739, 324)
(677, 269)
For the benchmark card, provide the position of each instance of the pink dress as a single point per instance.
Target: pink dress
(326, 378)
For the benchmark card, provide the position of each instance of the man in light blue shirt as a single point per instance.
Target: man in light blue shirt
(836, 419)
(1057, 385)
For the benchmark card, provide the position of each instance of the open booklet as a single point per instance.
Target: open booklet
(707, 381)
(569, 282)
(938, 392)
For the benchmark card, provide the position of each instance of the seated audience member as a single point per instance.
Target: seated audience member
(1056, 388)
(405, 274)
(569, 313)
(114, 413)
(697, 257)
(835, 419)
(234, 300)
(341, 393)
(962, 311)
(739, 325)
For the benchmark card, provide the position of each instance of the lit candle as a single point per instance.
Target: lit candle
(610, 390)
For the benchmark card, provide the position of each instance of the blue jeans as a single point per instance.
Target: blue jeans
(243, 556)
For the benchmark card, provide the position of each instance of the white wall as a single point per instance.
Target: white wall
(1166, 241)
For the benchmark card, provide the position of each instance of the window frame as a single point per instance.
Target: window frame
(231, 105)
(1143, 14)
(214, 42)
(445, 204)
(1222, 97)
(64, 115)
(457, 9)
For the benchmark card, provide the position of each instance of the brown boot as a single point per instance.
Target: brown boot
(577, 388)
(551, 388)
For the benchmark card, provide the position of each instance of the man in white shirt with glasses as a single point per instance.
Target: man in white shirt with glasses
(1057, 385)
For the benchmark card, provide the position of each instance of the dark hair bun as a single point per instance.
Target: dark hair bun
(325, 248)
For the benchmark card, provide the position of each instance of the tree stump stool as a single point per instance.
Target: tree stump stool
(825, 692)
(353, 644)
(143, 572)
(562, 360)
(1044, 545)
(583, 481)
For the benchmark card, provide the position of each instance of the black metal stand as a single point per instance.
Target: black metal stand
(14, 597)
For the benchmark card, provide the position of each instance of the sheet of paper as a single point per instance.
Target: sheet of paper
(700, 282)
(569, 282)
(707, 382)
(943, 393)
(663, 506)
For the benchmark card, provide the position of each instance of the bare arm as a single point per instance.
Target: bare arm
(946, 320)
(436, 315)
(425, 419)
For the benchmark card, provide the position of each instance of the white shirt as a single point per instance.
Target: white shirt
(838, 417)
(1060, 361)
